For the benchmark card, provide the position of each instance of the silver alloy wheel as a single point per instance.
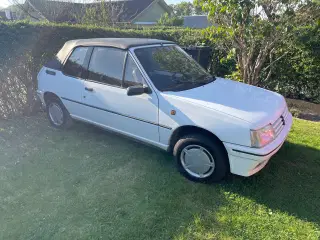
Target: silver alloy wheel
(56, 114)
(197, 161)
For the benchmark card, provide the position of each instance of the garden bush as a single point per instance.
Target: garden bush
(26, 46)
(297, 75)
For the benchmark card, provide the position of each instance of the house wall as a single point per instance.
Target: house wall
(152, 14)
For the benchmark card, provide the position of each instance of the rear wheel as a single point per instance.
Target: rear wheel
(201, 159)
(58, 115)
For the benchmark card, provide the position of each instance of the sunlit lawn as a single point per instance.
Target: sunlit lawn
(85, 183)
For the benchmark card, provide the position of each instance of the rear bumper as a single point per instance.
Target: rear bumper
(246, 161)
(40, 95)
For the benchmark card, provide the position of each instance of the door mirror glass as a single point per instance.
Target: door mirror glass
(137, 90)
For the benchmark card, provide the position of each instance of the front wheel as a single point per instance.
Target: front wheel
(201, 159)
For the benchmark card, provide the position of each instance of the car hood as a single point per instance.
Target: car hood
(249, 103)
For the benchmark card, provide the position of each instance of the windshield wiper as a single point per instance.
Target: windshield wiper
(190, 84)
(178, 86)
(207, 79)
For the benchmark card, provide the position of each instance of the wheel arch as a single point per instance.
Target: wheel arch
(189, 129)
(50, 95)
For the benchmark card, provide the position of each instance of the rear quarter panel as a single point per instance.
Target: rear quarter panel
(63, 86)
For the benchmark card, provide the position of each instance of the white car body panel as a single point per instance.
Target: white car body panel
(189, 113)
(113, 108)
(244, 164)
(63, 86)
(226, 108)
(245, 102)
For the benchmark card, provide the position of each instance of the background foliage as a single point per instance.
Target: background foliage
(297, 75)
(26, 46)
(185, 8)
(167, 20)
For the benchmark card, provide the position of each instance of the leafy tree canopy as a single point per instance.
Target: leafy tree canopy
(186, 9)
(253, 30)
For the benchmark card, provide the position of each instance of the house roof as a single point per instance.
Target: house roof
(60, 11)
(132, 8)
(121, 43)
(56, 11)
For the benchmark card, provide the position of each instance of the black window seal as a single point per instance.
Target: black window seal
(124, 69)
(86, 63)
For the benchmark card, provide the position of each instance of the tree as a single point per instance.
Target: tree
(186, 9)
(97, 12)
(182, 9)
(167, 20)
(22, 11)
(48, 10)
(251, 31)
(102, 13)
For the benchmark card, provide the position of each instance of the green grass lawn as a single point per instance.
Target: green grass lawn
(85, 183)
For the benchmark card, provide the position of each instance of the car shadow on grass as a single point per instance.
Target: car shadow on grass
(94, 184)
(280, 202)
(289, 183)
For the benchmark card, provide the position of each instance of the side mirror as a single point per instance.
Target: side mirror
(138, 90)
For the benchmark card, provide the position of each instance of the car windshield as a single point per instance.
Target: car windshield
(171, 69)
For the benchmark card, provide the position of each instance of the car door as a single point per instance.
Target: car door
(105, 96)
(69, 82)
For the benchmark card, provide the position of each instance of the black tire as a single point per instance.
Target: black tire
(213, 146)
(66, 120)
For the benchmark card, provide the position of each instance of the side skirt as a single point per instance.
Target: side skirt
(122, 133)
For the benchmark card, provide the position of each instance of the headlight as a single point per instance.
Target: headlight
(262, 137)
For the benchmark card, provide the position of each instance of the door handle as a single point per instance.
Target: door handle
(89, 89)
(53, 73)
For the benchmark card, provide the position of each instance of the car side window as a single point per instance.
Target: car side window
(106, 66)
(74, 66)
(133, 76)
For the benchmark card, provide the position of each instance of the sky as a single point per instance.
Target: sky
(5, 3)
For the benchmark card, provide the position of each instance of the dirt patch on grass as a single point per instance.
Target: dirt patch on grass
(304, 110)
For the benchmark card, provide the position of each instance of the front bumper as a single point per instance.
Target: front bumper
(246, 161)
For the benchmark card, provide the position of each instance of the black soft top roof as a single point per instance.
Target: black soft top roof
(121, 43)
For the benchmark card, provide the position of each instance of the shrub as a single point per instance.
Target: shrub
(297, 75)
(167, 20)
(25, 47)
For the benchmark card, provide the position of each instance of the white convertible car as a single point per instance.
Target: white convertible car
(153, 91)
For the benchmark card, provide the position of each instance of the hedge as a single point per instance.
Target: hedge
(26, 46)
(297, 75)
